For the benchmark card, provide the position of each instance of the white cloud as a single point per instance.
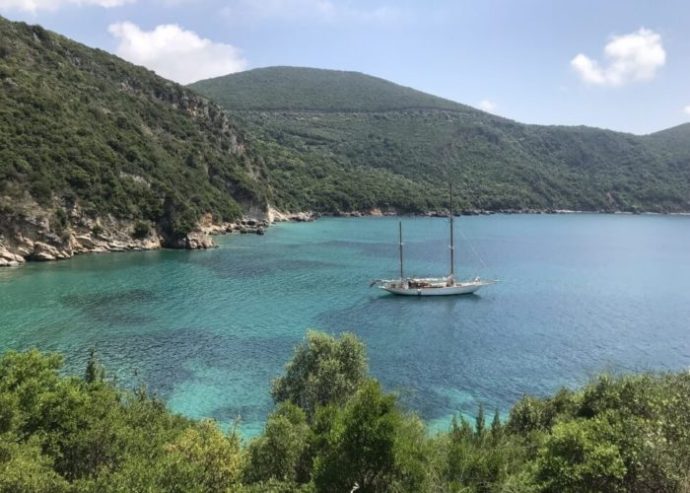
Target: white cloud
(309, 10)
(176, 54)
(36, 5)
(687, 109)
(487, 105)
(628, 58)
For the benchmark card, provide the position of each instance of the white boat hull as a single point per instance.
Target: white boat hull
(467, 287)
(431, 286)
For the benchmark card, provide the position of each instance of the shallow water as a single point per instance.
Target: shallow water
(209, 330)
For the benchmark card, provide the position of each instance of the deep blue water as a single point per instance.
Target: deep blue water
(208, 331)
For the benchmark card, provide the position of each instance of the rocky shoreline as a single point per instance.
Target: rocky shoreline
(33, 237)
(483, 212)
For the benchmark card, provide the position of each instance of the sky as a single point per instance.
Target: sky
(617, 64)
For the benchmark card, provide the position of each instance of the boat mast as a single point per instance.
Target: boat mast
(452, 233)
(401, 251)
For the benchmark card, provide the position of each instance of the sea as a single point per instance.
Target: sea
(208, 331)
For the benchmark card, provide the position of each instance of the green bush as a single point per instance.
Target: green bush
(322, 371)
(141, 230)
(60, 433)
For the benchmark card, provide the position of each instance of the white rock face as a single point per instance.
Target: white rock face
(198, 239)
(276, 216)
(28, 236)
(44, 252)
(8, 258)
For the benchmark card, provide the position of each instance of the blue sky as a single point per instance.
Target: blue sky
(623, 65)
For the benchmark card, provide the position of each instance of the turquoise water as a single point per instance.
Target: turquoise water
(208, 331)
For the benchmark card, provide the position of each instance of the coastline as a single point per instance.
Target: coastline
(33, 236)
(120, 236)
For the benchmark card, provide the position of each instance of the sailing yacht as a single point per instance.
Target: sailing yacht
(432, 286)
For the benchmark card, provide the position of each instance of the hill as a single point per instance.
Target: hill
(344, 140)
(673, 144)
(99, 154)
(304, 89)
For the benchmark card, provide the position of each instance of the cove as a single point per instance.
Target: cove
(208, 330)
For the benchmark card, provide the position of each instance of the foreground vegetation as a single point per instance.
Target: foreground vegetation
(333, 429)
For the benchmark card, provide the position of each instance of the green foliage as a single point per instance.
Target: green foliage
(532, 414)
(95, 372)
(342, 141)
(297, 88)
(61, 434)
(476, 461)
(60, 222)
(496, 426)
(479, 421)
(178, 218)
(324, 370)
(281, 453)
(23, 469)
(369, 444)
(578, 456)
(141, 230)
(80, 125)
(202, 459)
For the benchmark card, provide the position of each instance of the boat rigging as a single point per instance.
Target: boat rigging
(432, 286)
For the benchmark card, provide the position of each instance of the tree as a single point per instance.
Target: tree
(496, 426)
(280, 453)
(324, 370)
(480, 422)
(363, 443)
(23, 469)
(95, 372)
(202, 459)
(25, 379)
(578, 457)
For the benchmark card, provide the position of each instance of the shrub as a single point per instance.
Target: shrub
(141, 230)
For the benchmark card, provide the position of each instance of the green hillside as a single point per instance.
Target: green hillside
(349, 141)
(85, 135)
(80, 127)
(673, 144)
(296, 88)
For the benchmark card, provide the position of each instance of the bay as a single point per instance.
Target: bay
(208, 330)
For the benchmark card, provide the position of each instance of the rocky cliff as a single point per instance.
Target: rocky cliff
(99, 155)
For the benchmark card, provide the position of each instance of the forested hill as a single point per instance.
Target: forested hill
(98, 154)
(344, 140)
(297, 88)
(673, 144)
(89, 141)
